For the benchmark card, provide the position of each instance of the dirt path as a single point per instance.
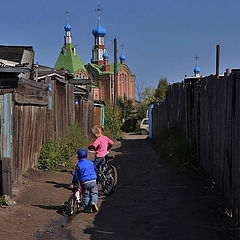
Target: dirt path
(153, 200)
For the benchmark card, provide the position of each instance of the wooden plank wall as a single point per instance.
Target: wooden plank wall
(209, 112)
(60, 107)
(97, 115)
(61, 113)
(35, 120)
(84, 114)
(29, 129)
(70, 104)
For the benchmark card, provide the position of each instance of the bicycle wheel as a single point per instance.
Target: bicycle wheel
(71, 206)
(110, 181)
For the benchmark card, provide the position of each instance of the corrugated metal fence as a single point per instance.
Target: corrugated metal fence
(208, 110)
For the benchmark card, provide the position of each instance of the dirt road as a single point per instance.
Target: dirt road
(153, 200)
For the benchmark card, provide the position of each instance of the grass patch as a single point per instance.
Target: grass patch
(61, 152)
(2, 201)
(173, 146)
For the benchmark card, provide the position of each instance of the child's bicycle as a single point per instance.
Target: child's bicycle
(107, 176)
(75, 201)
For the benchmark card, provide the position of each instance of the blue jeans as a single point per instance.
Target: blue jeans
(98, 161)
(90, 194)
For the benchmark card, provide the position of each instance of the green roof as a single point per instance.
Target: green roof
(99, 68)
(69, 62)
(95, 86)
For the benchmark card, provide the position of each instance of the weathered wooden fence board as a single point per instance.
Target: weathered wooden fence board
(40, 112)
(208, 111)
(6, 183)
(29, 125)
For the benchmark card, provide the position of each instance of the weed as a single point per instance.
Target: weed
(49, 155)
(172, 145)
(2, 201)
(26, 182)
(61, 152)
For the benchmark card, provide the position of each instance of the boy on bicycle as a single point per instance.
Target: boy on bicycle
(85, 174)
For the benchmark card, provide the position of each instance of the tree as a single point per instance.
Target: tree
(140, 109)
(160, 92)
(112, 122)
(125, 106)
(139, 91)
(148, 95)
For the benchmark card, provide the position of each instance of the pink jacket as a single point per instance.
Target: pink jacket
(101, 146)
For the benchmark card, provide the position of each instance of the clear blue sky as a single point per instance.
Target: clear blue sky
(160, 38)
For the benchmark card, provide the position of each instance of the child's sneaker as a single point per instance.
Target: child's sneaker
(88, 210)
(94, 207)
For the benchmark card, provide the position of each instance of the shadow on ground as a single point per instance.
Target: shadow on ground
(153, 200)
(61, 209)
(58, 185)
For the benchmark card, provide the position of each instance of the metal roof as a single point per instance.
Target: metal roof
(13, 53)
(15, 69)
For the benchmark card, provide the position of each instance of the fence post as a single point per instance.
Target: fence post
(6, 178)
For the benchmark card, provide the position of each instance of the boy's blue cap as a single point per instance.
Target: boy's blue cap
(82, 153)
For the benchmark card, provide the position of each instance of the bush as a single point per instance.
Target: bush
(172, 145)
(112, 123)
(130, 125)
(70, 143)
(60, 152)
(49, 155)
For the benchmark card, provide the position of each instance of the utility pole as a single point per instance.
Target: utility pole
(115, 75)
(217, 60)
(124, 107)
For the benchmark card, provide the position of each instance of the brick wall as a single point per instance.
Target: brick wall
(125, 84)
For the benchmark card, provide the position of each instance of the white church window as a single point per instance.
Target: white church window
(95, 54)
(100, 54)
(101, 40)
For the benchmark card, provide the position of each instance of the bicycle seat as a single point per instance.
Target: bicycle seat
(108, 156)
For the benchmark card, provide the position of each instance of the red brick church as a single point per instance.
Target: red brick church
(99, 71)
(102, 72)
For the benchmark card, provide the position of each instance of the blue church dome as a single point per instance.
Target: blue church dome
(122, 57)
(67, 27)
(105, 55)
(196, 70)
(99, 31)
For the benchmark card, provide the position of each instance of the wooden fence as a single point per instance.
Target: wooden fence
(84, 114)
(208, 111)
(31, 113)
